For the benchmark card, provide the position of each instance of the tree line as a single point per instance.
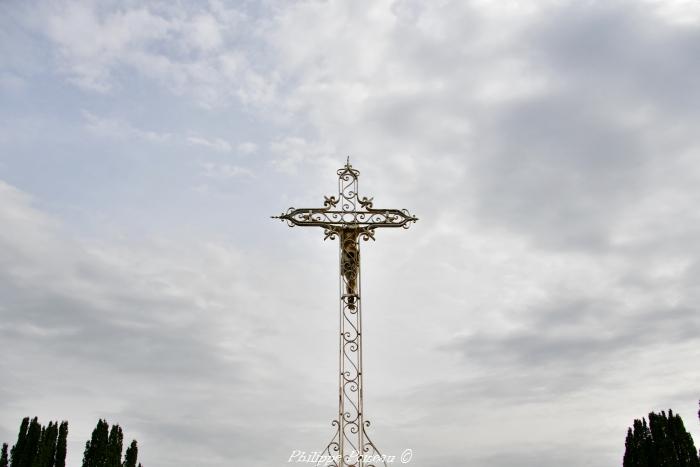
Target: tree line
(663, 442)
(45, 446)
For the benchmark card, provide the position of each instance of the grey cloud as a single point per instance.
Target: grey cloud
(623, 51)
(564, 167)
(92, 324)
(121, 334)
(576, 335)
(561, 163)
(534, 457)
(550, 283)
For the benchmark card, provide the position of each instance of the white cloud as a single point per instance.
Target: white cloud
(216, 144)
(92, 45)
(121, 129)
(247, 147)
(682, 12)
(225, 171)
(192, 52)
(292, 152)
(205, 32)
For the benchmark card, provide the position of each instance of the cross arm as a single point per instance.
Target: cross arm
(326, 218)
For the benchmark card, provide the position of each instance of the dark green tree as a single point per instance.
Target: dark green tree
(49, 445)
(114, 447)
(18, 449)
(105, 447)
(36, 445)
(45, 446)
(663, 443)
(131, 455)
(46, 450)
(32, 446)
(3, 456)
(37, 458)
(61, 444)
(95, 454)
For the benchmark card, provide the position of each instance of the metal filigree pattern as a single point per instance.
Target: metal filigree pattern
(348, 210)
(349, 218)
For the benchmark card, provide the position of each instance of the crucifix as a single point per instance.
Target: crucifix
(349, 218)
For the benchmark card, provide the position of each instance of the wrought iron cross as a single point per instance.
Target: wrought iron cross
(349, 218)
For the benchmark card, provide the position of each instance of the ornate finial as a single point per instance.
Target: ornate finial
(348, 170)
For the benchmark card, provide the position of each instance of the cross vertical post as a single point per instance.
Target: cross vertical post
(349, 218)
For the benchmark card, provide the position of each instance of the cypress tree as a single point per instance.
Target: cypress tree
(40, 454)
(95, 454)
(630, 457)
(663, 443)
(36, 445)
(687, 456)
(638, 449)
(61, 443)
(104, 449)
(32, 446)
(3, 456)
(46, 450)
(660, 446)
(114, 447)
(50, 445)
(132, 453)
(54, 446)
(87, 455)
(18, 449)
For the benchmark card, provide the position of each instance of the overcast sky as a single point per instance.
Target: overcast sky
(546, 298)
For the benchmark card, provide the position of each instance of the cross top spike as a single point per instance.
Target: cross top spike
(348, 210)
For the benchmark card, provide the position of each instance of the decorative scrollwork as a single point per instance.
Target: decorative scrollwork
(330, 201)
(369, 218)
(370, 451)
(349, 218)
(354, 212)
(331, 454)
(366, 202)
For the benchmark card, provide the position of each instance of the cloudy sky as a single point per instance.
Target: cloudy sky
(547, 296)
